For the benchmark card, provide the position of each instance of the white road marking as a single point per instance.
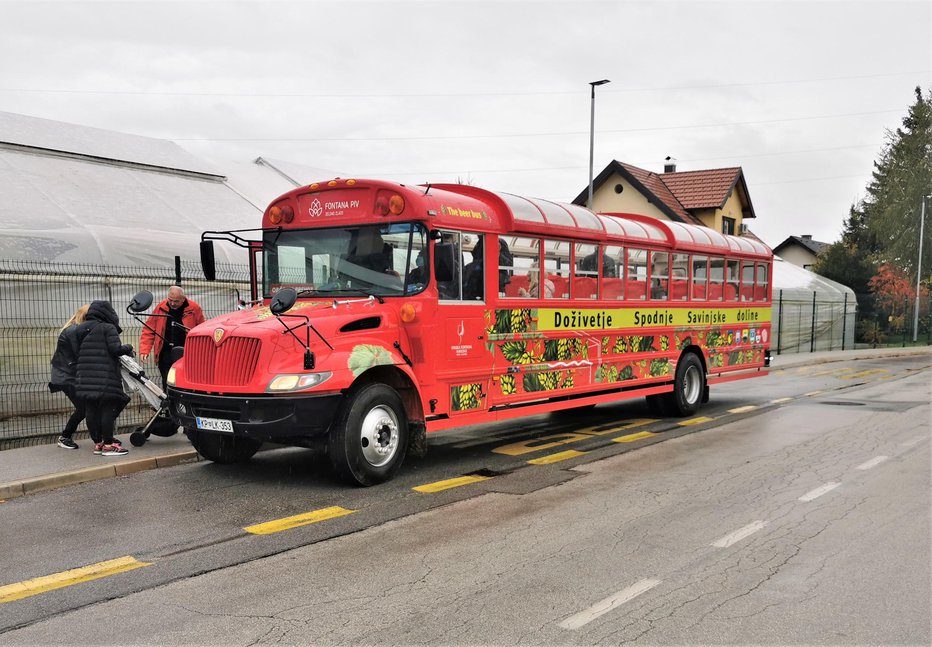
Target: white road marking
(604, 606)
(819, 491)
(738, 535)
(875, 461)
(914, 441)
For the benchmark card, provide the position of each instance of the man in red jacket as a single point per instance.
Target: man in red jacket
(167, 327)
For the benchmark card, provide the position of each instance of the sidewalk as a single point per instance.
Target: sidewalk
(45, 467)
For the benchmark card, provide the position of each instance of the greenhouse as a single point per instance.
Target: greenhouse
(810, 312)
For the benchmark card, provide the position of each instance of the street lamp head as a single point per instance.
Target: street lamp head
(602, 82)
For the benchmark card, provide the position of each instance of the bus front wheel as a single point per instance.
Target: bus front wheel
(688, 387)
(368, 440)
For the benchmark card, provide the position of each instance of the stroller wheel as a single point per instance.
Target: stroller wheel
(137, 439)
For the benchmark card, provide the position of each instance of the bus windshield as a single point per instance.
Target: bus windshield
(382, 260)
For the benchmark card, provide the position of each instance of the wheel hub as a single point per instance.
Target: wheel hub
(379, 437)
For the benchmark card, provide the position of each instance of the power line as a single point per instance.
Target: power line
(539, 134)
(739, 156)
(312, 95)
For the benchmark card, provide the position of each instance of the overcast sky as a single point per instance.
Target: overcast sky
(799, 94)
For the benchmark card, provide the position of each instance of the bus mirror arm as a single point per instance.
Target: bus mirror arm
(403, 356)
(307, 322)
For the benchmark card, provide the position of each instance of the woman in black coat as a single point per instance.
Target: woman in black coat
(63, 378)
(99, 382)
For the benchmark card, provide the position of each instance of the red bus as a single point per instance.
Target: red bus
(384, 311)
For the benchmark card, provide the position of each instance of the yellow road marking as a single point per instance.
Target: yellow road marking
(860, 374)
(781, 400)
(74, 576)
(631, 424)
(695, 421)
(297, 520)
(537, 444)
(811, 393)
(439, 486)
(630, 438)
(556, 458)
(750, 407)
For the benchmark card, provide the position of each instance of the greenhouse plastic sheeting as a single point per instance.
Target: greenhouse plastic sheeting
(810, 312)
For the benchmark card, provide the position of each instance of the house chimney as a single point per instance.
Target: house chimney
(669, 165)
(806, 236)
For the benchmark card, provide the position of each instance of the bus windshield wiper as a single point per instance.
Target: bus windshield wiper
(331, 291)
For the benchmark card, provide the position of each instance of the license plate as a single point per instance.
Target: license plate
(215, 424)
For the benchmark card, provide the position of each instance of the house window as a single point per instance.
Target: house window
(728, 226)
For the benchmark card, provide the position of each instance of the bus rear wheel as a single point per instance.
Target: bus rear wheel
(223, 449)
(369, 439)
(688, 387)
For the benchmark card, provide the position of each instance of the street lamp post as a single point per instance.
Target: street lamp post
(922, 222)
(592, 135)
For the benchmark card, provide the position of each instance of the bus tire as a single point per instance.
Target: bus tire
(369, 438)
(222, 449)
(688, 387)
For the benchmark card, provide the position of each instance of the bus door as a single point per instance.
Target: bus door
(465, 363)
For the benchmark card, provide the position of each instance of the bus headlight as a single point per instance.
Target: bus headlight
(281, 383)
(170, 378)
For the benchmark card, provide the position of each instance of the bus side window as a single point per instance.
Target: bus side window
(659, 275)
(700, 278)
(474, 273)
(525, 253)
(761, 291)
(449, 269)
(613, 286)
(556, 275)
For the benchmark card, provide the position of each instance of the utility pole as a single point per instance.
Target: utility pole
(922, 222)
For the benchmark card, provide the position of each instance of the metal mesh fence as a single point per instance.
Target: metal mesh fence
(37, 298)
(807, 324)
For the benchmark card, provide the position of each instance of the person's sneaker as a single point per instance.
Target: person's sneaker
(67, 443)
(113, 450)
(99, 448)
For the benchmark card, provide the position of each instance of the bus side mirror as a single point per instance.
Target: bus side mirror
(208, 264)
(282, 301)
(141, 302)
(443, 262)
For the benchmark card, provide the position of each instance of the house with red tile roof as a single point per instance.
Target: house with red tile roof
(715, 198)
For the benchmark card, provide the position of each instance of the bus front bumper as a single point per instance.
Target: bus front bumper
(284, 419)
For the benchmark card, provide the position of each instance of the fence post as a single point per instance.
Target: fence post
(780, 322)
(177, 270)
(844, 322)
(812, 335)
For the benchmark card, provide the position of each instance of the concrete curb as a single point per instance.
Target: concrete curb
(74, 477)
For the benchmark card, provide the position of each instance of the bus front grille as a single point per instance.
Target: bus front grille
(231, 363)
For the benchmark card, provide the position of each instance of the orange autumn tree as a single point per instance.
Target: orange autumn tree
(895, 294)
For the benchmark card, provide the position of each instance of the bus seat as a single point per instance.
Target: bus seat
(559, 285)
(584, 288)
(514, 286)
(699, 291)
(636, 290)
(715, 292)
(760, 293)
(678, 290)
(612, 288)
(731, 292)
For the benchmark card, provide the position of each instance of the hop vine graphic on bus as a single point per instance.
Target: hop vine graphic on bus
(466, 396)
(365, 356)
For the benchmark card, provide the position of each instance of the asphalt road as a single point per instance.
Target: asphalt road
(794, 509)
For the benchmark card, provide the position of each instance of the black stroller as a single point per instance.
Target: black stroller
(135, 380)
